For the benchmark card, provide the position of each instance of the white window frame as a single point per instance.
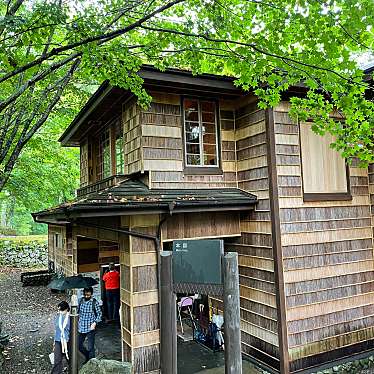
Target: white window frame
(201, 141)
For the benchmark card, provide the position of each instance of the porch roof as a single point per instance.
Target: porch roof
(134, 197)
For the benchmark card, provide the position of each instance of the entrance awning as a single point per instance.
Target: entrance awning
(134, 197)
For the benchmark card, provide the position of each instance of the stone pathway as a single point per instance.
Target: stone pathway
(195, 358)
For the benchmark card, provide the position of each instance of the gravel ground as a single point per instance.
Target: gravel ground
(27, 314)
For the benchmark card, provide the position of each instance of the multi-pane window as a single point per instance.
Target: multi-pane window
(119, 148)
(200, 130)
(104, 158)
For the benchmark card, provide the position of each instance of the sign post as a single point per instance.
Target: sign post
(199, 266)
(231, 302)
(73, 362)
(168, 317)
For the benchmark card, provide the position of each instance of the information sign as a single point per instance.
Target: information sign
(197, 264)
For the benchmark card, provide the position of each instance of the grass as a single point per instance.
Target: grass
(25, 238)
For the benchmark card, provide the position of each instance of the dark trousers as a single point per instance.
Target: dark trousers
(112, 298)
(90, 351)
(58, 356)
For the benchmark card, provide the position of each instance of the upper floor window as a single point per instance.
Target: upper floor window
(324, 171)
(200, 133)
(120, 162)
(104, 157)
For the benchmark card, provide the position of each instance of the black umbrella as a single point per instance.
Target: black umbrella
(75, 281)
(79, 281)
(57, 284)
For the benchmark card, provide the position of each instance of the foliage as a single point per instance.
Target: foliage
(45, 172)
(26, 239)
(45, 175)
(7, 231)
(49, 48)
(24, 251)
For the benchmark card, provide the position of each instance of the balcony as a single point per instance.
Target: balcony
(101, 185)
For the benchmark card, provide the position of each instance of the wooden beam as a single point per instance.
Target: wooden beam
(277, 245)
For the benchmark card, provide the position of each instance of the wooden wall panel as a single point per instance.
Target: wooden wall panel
(84, 164)
(139, 294)
(163, 148)
(146, 359)
(371, 188)
(201, 225)
(132, 137)
(255, 246)
(327, 249)
(146, 318)
(58, 252)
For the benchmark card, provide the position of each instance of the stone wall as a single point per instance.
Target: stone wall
(24, 251)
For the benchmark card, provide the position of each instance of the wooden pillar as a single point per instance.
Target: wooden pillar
(168, 317)
(231, 299)
(139, 295)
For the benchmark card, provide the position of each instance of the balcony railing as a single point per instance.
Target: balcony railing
(101, 185)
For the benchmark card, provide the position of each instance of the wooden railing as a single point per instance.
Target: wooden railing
(98, 186)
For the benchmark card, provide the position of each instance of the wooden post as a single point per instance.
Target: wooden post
(73, 362)
(168, 333)
(231, 300)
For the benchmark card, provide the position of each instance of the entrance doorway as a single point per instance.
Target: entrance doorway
(93, 258)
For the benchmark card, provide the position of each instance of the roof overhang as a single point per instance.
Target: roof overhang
(107, 101)
(133, 197)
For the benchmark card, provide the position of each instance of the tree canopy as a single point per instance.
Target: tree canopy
(49, 49)
(45, 175)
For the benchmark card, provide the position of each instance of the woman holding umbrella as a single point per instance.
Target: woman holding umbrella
(62, 331)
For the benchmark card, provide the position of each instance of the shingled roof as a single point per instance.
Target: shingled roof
(134, 197)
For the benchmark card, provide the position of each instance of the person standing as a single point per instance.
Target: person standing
(112, 280)
(89, 316)
(62, 331)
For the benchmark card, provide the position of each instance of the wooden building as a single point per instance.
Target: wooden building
(204, 161)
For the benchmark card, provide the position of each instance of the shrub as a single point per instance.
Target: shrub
(24, 251)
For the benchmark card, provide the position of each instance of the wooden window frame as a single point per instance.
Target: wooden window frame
(118, 167)
(100, 154)
(200, 169)
(323, 196)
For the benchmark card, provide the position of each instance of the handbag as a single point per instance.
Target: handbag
(52, 358)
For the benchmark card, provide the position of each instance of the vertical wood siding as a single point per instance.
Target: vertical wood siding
(201, 225)
(63, 260)
(258, 311)
(132, 137)
(139, 295)
(327, 259)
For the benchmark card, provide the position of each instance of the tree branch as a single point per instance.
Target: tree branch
(36, 78)
(5, 174)
(250, 45)
(104, 38)
(11, 11)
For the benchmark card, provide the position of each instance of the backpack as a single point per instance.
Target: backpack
(94, 302)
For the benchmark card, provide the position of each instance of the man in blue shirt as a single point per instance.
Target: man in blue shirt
(89, 316)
